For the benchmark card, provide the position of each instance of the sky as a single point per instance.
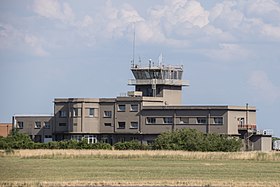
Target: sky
(60, 49)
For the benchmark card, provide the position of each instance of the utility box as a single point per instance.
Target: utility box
(276, 145)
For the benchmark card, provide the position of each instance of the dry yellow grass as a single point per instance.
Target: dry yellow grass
(208, 183)
(138, 168)
(270, 156)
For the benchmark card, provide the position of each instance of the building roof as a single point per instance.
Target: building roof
(194, 107)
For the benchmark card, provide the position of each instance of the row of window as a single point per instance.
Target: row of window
(92, 113)
(133, 125)
(184, 120)
(37, 125)
(121, 125)
(133, 108)
(75, 112)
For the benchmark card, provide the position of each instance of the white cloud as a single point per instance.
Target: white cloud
(54, 9)
(228, 52)
(270, 31)
(263, 86)
(267, 10)
(35, 44)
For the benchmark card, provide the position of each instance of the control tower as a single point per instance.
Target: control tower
(159, 81)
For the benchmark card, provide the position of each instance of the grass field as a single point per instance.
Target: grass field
(152, 168)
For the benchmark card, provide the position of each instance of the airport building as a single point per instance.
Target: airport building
(153, 107)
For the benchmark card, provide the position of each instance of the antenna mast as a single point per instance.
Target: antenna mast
(133, 50)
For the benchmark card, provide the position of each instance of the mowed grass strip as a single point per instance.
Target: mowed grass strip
(58, 170)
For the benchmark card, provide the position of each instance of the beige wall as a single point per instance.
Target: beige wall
(233, 116)
(192, 116)
(80, 120)
(29, 125)
(127, 116)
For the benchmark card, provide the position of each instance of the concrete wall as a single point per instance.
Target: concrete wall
(262, 143)
(77, 116)
(37, 134)
(183, 118)
(234, 115)
(127, 116)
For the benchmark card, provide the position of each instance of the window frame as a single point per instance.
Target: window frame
(36, 126)
(167, 120)
(62, 114)
(123, 123)
(120, 108)
(47, 126)
(20, 124)
(91, 112)
(134, 122)
(75, 112)
(107, 112)
(219, 122)
(107, 124)
(134, 108)
(60, 124)
(198, 119)
(149, 122)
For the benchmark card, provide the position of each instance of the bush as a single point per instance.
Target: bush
(101, 146)
(193, 140)
(16, 140)
(131, 145)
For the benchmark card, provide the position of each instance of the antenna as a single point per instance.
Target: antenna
(160, 59)
(133, 50)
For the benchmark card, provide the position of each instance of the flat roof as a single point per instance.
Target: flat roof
(64, 100)
(201, 107)
(33, 115)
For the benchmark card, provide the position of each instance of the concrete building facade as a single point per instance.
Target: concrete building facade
(152, 108)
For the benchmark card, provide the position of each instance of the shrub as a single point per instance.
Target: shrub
(101, 146)
(193, 140)
(130, 145)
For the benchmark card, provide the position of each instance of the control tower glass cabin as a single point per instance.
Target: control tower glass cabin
(159, 81)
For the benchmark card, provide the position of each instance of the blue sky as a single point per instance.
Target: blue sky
(51, 49)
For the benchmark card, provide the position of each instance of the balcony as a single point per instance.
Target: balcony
(247, 127)
(172, 82)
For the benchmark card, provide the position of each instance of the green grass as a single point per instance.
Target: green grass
(144, 170)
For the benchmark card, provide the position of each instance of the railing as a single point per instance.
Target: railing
(248, 127)
(158, 81)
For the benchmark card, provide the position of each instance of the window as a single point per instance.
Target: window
(201, 120)
(37, 125)
(218, 120)
(37, 138)
(150, 120)
(121, 108)
(134, 125)
(241, 121)
(107, 114)
(62, 124)
(76, 137)
(167, 120)
(134, 108)
(48, 136)
(62, 114)
(91, 112)
(184, 120)
(90, 139)
(20, 125)
(47, 125)
(75, 124)
(108, 124)
(75, 112)
(121, 125)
